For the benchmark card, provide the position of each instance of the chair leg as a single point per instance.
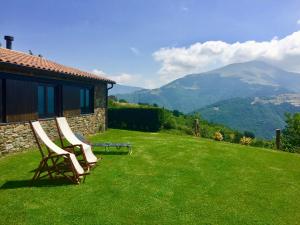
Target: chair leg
(44, 165)
(38, 171)
(35, 174)
(48, 171)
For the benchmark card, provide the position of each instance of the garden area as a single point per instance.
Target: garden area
(168, 179)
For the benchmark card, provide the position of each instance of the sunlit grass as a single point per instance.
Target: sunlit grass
(169, 179)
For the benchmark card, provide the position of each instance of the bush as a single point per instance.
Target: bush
(291, 133)
(249, 134)
(231, 137)
(218, 136)
(142, 119)
(246, 140)
(263, 143)
(170, 123)
(177, 113)
(122, 101)
(237, 137)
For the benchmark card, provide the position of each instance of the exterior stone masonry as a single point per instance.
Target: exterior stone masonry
(18, 136)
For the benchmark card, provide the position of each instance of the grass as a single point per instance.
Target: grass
(169, 179)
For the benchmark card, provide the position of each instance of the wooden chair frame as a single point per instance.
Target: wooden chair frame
(58, 164)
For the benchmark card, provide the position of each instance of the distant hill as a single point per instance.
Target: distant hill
(123, 89)
(240, 80)
(261, 116)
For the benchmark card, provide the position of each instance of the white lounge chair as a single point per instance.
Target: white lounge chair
(65, 130)
(57, 160)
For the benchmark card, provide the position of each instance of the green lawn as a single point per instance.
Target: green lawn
(169, 179)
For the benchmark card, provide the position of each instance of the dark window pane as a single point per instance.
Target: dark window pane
(50, 100)
(87, 98)
(81, 98)
(41, 100)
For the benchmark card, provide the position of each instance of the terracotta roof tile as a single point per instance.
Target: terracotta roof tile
(35, 62)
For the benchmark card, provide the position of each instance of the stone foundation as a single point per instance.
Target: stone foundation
(18, 136)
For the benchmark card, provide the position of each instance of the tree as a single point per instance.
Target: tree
(249, 134)
(122, 101)
(291, 133)
(177, 113)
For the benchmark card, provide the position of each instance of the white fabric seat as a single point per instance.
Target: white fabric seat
(39, 131)
(66, 131)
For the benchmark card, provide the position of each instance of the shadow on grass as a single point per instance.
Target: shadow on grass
(14, 184)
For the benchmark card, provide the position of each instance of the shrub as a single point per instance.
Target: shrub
(232, 137)
(218, 136)
(246, 140)
(263, 143)
(226, 134)
(249, 134)
(291, 133)
(177, 113)
(122, 101)
(237, 137)
(143, 119)
(170, 123)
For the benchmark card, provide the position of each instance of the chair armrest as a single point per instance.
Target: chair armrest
(72, 146)
(69, 149)
(54, 155)
(81, 138)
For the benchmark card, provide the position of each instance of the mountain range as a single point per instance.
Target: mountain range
(191, 92)
(234, 89)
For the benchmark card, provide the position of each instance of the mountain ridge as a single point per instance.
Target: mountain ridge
(194, 91)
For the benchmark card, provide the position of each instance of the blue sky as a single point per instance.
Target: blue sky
(124, 39)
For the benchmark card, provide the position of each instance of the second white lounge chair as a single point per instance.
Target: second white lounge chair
(65, 130)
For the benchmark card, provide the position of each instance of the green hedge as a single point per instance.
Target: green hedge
(142, 119)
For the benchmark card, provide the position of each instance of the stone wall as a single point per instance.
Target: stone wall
(18, 136)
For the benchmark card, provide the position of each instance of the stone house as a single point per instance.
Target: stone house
(34, 88)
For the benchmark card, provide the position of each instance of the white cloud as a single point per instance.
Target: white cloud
(99, 72)
(150, 84)
(201, 57)
(135, 51)
(129, 79)
(298, 21)
(123, 78)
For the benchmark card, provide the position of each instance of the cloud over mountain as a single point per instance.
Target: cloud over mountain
(128, 79)
(123, 78)
(201, 57)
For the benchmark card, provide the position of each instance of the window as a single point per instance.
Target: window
(46, 101)
(85, 101)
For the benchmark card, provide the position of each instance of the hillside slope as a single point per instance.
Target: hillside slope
(257, 115)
